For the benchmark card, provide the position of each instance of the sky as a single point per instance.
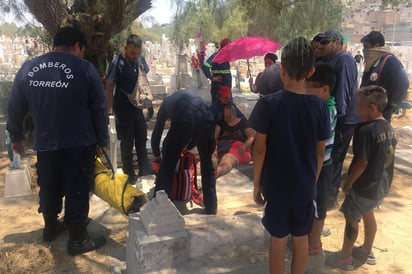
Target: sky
(161, 10)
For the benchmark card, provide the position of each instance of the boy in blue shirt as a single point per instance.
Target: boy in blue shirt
(369, 178)
(291, 129)
(321, 83)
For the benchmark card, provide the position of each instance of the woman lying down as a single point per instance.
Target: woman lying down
(234, 137)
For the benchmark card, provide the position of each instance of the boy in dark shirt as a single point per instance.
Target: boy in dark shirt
(291, 129)
(370, 176)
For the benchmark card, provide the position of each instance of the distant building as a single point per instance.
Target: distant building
(361, 17)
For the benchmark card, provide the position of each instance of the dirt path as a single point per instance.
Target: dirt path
(21, 250)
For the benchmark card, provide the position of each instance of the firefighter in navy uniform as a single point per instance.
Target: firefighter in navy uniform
(192, 124)
(65, 96)
(218, 74)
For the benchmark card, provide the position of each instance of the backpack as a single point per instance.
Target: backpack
(184, 184)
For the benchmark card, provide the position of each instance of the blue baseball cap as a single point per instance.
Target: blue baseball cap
(333, 34)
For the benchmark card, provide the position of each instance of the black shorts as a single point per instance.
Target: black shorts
(322, 191)
(281, 221)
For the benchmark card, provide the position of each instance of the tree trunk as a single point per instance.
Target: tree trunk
(98, 20)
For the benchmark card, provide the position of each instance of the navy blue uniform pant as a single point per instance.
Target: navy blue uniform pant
(131, 130)
(214, 90)
(180, 135)
(66, 173)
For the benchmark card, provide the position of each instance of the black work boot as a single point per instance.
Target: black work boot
(80, 242)
(145, 167)
(52, 228)
(210, 211)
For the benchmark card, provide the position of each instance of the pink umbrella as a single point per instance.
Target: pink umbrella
(245, 48)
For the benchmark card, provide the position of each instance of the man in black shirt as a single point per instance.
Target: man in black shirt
(131, 124)
(370, 176)
(192, 125)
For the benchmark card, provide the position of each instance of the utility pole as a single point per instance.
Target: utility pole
(394, 28)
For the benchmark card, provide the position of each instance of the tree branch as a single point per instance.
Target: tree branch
(49, 13)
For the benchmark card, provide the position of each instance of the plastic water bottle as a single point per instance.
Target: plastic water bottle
(16, 160)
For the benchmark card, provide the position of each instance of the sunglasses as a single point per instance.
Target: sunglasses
(325, 42)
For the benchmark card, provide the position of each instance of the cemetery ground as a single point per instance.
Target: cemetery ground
(22, 251)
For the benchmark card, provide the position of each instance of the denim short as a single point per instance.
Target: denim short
(354, 206)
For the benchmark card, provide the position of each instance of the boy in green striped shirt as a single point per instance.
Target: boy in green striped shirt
(321, 83)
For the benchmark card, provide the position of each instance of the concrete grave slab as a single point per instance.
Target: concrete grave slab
(158, 89)
(160, 216)
(232, 187)
(213, 235)
(146, 253)
(156, 238)
(156, 79)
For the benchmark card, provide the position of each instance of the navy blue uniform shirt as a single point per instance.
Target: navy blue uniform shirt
(123, 74)
(212, 69)
(183, 107)
(346, 71)
(65, 96)
(293, 123)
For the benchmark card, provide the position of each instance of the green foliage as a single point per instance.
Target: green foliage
(213, 19)
(194, 17)
(284, 20)
(9, 29)
(308, 18)
(153, 34)
(280, 20)
(237, 23)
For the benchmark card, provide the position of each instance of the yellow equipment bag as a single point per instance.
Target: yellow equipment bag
(114, 188)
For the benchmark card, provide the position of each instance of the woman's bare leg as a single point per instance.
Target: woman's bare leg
(226, 164)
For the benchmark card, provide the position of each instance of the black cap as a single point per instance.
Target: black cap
(374, 38)
(317, 37)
